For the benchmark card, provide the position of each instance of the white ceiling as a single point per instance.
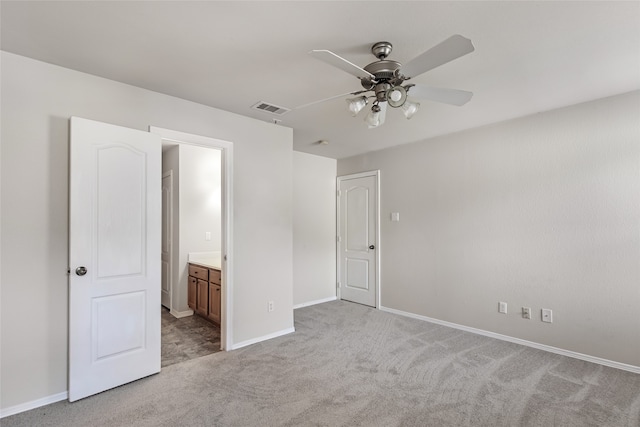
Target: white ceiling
(529, 57)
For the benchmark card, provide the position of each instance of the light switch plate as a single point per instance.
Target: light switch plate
(502, 307)
(395, 216)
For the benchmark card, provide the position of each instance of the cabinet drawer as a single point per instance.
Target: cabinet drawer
(214, 276)
(199, 272)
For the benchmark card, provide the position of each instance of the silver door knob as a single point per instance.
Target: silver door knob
(81, 271)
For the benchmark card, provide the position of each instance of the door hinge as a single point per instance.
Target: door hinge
(339, 239)
(338, 284)
(338, 193)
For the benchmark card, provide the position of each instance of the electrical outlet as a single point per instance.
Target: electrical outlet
(502, 307)
(547, 315)
(526, 312)
(270, 306)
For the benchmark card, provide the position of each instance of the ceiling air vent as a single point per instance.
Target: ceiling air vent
(270, 108)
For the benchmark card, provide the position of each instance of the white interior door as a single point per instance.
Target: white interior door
(114, 255)
(357, 238)
(167, 230)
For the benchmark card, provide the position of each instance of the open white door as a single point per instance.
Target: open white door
(114, 256)
(358, 238)
(167, 233)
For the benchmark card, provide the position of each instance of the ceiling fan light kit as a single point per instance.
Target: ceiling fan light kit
(410, 108)
(396, 96)
(386, 78)
(373, 119)
(356, 105)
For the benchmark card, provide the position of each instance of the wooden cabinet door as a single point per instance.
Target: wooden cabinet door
(214, 302)
(203, 298)
(192, 292)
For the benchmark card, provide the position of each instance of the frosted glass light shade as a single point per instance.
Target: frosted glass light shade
(396, 96)
(373, 118)
(356, 105)
(409, 109)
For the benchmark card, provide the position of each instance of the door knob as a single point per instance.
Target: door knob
(81, 271)
(372, 247)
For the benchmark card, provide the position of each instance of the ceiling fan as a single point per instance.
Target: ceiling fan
(386, 79)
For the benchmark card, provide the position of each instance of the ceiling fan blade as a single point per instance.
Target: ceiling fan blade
(446, 96)
(309, 104)
(450, 49)
(341, 63)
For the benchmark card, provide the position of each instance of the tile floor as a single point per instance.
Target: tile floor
(187, 338)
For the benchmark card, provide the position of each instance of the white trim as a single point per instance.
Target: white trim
(27, 406)
(544, 347)
(318, 301)
(226, 330)
(263, 338)
(181, 314)
(376, 174)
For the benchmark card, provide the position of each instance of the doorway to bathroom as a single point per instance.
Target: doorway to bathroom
(196, 228)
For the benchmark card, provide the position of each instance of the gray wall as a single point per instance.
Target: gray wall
(314, 228)
(37, 101)
(542, 212)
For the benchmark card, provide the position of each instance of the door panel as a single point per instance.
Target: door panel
(114, 233)
(120, 217)
(357, 231)
(357, 273)
(357, 218)
(119, 321)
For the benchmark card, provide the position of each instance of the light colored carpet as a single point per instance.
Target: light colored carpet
(349, 365)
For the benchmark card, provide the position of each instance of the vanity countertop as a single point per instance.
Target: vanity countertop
(206, 259)
(214, 263)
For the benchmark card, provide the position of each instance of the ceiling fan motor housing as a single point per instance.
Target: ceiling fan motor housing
(383, 71)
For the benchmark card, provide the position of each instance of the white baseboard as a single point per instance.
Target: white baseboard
(544, 347)
(180, 314)
(318, 301)
(12, 410)
(262, 338)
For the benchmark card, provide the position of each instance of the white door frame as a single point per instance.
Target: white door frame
(376, 174)
(226, 147)
(170, 213)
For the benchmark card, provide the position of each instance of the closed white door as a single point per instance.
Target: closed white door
(357, 238)
(167, 223)
(114, 255)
